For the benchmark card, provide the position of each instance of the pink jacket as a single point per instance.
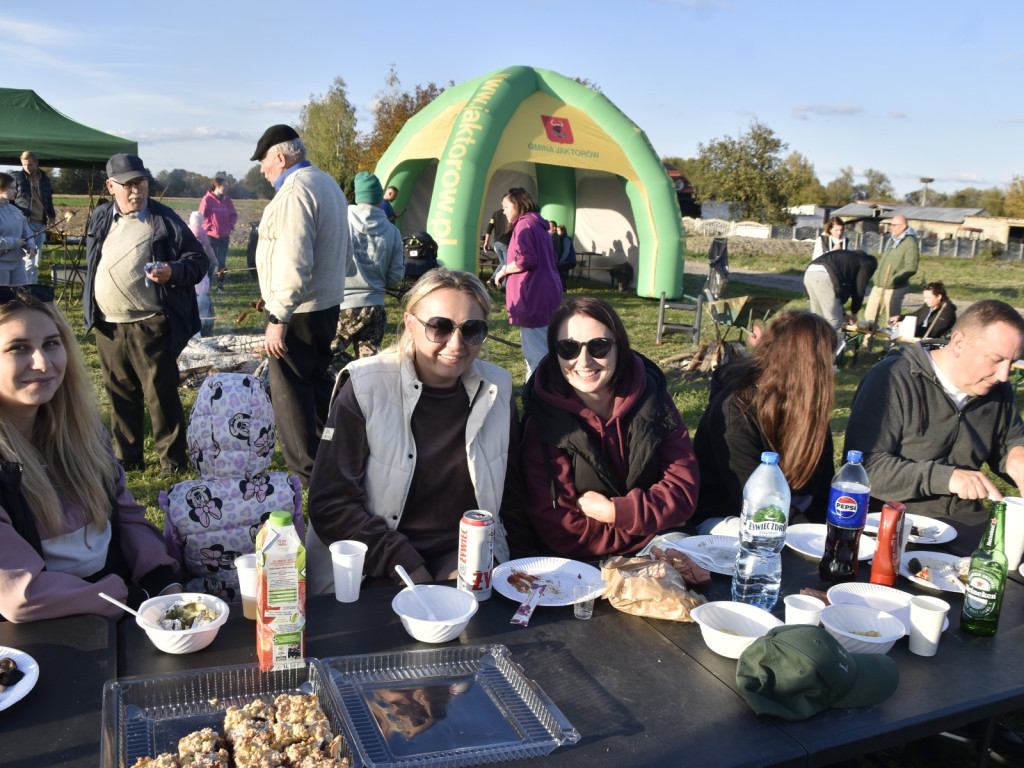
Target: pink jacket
(29, 592)
(532, 296)
(219, 215)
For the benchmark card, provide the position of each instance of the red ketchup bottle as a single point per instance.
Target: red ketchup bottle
(886, 565)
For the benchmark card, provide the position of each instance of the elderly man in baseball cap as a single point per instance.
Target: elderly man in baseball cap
(302, 258)
(142, 265)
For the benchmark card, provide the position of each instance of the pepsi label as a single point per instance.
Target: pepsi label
(846, 508)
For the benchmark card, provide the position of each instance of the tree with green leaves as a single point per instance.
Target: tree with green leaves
(257, 184)
(842, 189)
(748, 173)
(877, 187)
(327, 125)
(392, 110)
(803, 185)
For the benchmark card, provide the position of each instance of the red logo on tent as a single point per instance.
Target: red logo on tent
(558, 129)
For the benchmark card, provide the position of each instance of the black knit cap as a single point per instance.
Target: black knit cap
(273, 136)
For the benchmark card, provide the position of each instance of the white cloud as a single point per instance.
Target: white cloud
(273, 106)
(804, 111)
(897, 114)
(199, 133)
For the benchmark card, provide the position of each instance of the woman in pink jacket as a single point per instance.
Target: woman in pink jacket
(219, 217)
(69, 528)
(532, 285)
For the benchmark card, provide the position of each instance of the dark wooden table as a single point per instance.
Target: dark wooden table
(58, 722)
(640, 692)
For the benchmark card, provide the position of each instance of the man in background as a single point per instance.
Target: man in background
(377, 251)
(898, 264)
(389, 196)
(498, 236)
(34, 199)
(301, 259)
(142, 266)
(929, 418)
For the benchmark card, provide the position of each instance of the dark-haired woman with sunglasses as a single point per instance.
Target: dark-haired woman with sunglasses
(69, 528)
(606, 458)
(416, 436)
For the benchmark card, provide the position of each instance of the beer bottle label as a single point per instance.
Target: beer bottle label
(981, 595)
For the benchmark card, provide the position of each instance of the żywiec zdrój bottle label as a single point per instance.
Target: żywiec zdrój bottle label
(767, 521)
(847, 508)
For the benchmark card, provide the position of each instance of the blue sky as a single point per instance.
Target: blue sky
(909, 88)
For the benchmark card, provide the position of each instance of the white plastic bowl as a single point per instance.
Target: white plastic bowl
(452, 607)
(183, 640)
(844, 620)
(728, 627)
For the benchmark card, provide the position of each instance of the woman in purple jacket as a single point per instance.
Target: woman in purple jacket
(532, 288)
(69, 528)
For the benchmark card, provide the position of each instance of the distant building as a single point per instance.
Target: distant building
(927, 221)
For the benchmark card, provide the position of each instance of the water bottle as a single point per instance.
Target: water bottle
(758, 571)
(847, 512)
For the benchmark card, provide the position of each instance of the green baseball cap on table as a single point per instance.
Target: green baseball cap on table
(797, 671)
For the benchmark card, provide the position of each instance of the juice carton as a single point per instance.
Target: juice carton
(281, 595)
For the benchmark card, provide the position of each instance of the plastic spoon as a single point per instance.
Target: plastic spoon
(132, 611)
(412, 585)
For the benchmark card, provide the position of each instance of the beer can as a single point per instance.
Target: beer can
(476, 553)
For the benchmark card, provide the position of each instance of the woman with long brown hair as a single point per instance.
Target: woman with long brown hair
(780, 400)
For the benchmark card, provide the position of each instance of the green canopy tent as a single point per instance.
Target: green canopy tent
(28, 122)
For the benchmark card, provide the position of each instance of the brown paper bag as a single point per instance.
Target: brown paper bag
(645, 587)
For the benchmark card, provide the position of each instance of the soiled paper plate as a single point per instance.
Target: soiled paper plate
(19, 690)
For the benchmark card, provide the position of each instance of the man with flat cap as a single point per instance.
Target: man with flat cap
(142, 265)
(301, 259)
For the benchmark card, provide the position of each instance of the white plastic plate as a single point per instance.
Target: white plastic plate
(809, 539)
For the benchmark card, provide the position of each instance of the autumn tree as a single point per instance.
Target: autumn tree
(876, 187)
(1014, 202)
(257, 184)
(842, 189)
(392, 110)
(327, 124)
(748, 173)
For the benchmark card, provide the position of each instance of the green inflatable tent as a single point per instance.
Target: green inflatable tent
(587, 165)
(28, 122)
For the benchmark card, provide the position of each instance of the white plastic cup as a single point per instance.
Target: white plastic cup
(347, 559)
(927, 614)
(582, 601)
(803, 609)
(245, 567)
(1013, 533)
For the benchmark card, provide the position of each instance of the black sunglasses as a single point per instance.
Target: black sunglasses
(569, 349)
(440, 329)
(26, 293)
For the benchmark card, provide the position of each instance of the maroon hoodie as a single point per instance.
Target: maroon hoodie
(641, 511)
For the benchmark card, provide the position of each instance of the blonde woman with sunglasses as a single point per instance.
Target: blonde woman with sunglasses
(607, 461)
(416, 436)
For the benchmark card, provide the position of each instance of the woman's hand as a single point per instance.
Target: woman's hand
(597, 507)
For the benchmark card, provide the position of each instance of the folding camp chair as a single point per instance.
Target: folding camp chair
(718, 277)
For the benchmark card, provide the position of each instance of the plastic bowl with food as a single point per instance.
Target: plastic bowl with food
(452, 609)
(728, 627)
(860, 629)
(198, 627)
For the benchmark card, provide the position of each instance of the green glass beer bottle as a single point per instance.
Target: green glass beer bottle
(986, 578)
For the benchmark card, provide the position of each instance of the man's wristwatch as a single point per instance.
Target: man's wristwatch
(273, 319)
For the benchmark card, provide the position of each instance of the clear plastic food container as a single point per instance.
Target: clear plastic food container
(453, 706)
(144, 716)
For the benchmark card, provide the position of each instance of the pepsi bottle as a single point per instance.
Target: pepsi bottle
(847, 513)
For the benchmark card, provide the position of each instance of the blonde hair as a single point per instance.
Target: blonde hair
(435, 280)
(67, 455)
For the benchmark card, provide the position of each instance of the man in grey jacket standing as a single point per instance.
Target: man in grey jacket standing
(302, 258)
(377, 251)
